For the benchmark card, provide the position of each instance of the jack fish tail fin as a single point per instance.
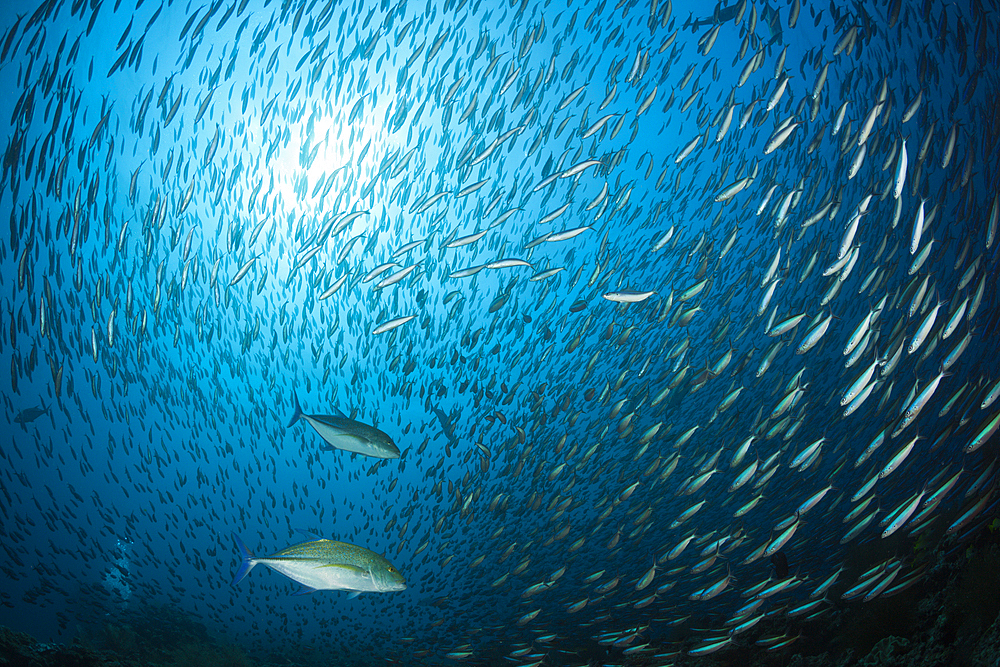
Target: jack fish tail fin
(298, 412)
(248, 561)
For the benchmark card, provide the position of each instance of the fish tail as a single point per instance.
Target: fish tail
(298, 411)
(248, 561)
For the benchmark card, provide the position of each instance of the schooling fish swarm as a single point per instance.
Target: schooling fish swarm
(653, 314)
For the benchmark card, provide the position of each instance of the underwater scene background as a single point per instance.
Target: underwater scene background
(623, 333)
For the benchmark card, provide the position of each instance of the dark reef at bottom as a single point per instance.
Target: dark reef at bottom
(951, 619)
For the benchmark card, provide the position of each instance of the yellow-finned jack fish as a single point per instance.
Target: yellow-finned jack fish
(327, 565)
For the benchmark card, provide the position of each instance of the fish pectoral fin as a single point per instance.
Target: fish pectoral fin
(305, 590)
(353, 595)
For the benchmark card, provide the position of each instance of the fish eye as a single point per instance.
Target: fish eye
(392, 569)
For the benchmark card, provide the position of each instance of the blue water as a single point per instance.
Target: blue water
(154, 151)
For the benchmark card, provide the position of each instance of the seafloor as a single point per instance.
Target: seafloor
(951, 619)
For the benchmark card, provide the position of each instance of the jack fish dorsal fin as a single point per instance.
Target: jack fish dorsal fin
(308, 533)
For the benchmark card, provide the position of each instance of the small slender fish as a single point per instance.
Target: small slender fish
(241, 274)
(507, 263)
(391, 324)
(466, 240)
(628, 296)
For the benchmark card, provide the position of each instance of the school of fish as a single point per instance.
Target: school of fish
(627, 330)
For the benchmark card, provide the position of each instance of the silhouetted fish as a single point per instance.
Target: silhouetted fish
(30, 415)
